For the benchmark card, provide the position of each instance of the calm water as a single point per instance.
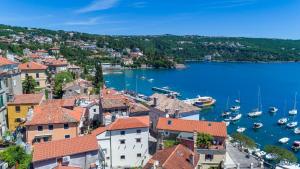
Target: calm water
(278, 83)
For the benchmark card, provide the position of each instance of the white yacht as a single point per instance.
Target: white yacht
(235, 108)
(282, 121)
(297, 130)
(292, 124)
(237, 117)
(284, 140)
(294, 110)
(257, 125)
(273, 109)
(257, 112)
(240, 129)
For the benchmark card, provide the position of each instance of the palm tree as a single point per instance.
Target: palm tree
(204, 140)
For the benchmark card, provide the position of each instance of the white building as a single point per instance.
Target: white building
(124, 143)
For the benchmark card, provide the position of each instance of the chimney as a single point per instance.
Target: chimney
(155, 101)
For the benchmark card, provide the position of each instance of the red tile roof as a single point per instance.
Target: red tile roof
(124, 123)
(5, 61)
(27, 99)
(78, 112)
(181, 125)
(66, 167)
(176, 157)
(32, 66)
(130, 122)
(60, 102)
(56, 62)
(50, 114)
(66, 147)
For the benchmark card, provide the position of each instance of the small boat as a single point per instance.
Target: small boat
(271, 156)
(237, 117)
(237, 101)
(226, 113)
(260, 153)
(284, 140)
(227, 123)
(292, 124)
(257, 125)
(240, 129)
(255, 113)
(143, 77)
(282, 121)
(201, 101)
(235, 108)
(296, 145)
(273, 109)
(294, 110)
(150, 80)
(297, 130)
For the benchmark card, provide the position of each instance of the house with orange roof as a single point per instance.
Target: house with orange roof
(176, 157)
(186, 132)
(56, 65)
(74, 153)
(19, 106)
(124, 143)
(52, 122)
(10, 77)
(36, 70)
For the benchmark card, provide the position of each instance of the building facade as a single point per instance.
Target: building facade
(36, 71)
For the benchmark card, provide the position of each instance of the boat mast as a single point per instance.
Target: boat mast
(295, 103)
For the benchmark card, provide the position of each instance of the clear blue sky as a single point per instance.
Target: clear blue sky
(249, 18)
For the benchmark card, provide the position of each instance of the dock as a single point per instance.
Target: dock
(165, 91)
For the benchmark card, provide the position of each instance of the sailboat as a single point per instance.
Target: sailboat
(292, 124)
(257, 125)
(257, 112)
(294, 110)
(283, 120)
(226, 112)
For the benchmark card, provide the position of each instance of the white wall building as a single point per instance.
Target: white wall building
(124, 143)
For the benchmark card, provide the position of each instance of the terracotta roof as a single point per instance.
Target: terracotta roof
(5, 61)
(78, 82)
(176, 157)
(137, 107)
(27, 99)
(113, 103)
(60, 102)
(181, 125)
(50, 114)
(99, 130)
(107, 93)
(32, 66)
(130, 122)
(66, 167)
(78, 112)
(66, 147)
(171, 104)
(56, 62)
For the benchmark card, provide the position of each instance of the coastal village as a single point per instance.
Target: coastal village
(63, 120)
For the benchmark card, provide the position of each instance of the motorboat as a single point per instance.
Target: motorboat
(282, 121)
(293, 112)
(296, 145)
(143, 77)
(292, 124)
(255, 113)
(237, 100)
(227, 123)
(273, 109)
(237, 117)
(150, 80)
(260, 153)
(257, 125)
(235, 108)
(271, 156)
(204, 101)
(284, 140)
(240, 129)
(297, 130)
(226, 113)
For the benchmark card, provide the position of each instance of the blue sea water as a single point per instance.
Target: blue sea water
(278, 83)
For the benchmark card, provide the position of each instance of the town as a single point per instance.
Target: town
(57, 112)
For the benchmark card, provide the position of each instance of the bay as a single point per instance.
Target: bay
(278, 83)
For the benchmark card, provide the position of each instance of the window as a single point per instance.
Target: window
(1, 101)
(38, 83)
(17, 108)
(67, 136)
(95, 110)
(122, 157)
(138, 131)
(139, 155)
(37, 75)
(122, 141)
(18, 120)
(50, 127)
(169, 122)
(209, 157)
(40, 128)
(107, 158)
(26, 75)
(122, 132)
(138, 140)
(0, 84)
(14, 82)
(46, 139)
(66, 126)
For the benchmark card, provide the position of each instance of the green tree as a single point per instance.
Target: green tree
(204, 140)
(16, 154)
(98, 80)
(283, 154)
(29, 85)
(244, 140)
(59, 80)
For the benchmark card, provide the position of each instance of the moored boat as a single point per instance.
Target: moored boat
(226, 113)
(282, 121)
(296, 145)
(237, 117)
(297, 130)
(273, 109)
(257, 125)
(294, 110)
(284, 140)
(240, 129)
(255, 113)
(201, 101)
(271, 156)
(292, 124)
(235, 108)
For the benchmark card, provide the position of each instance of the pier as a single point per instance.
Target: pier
(165, 91)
